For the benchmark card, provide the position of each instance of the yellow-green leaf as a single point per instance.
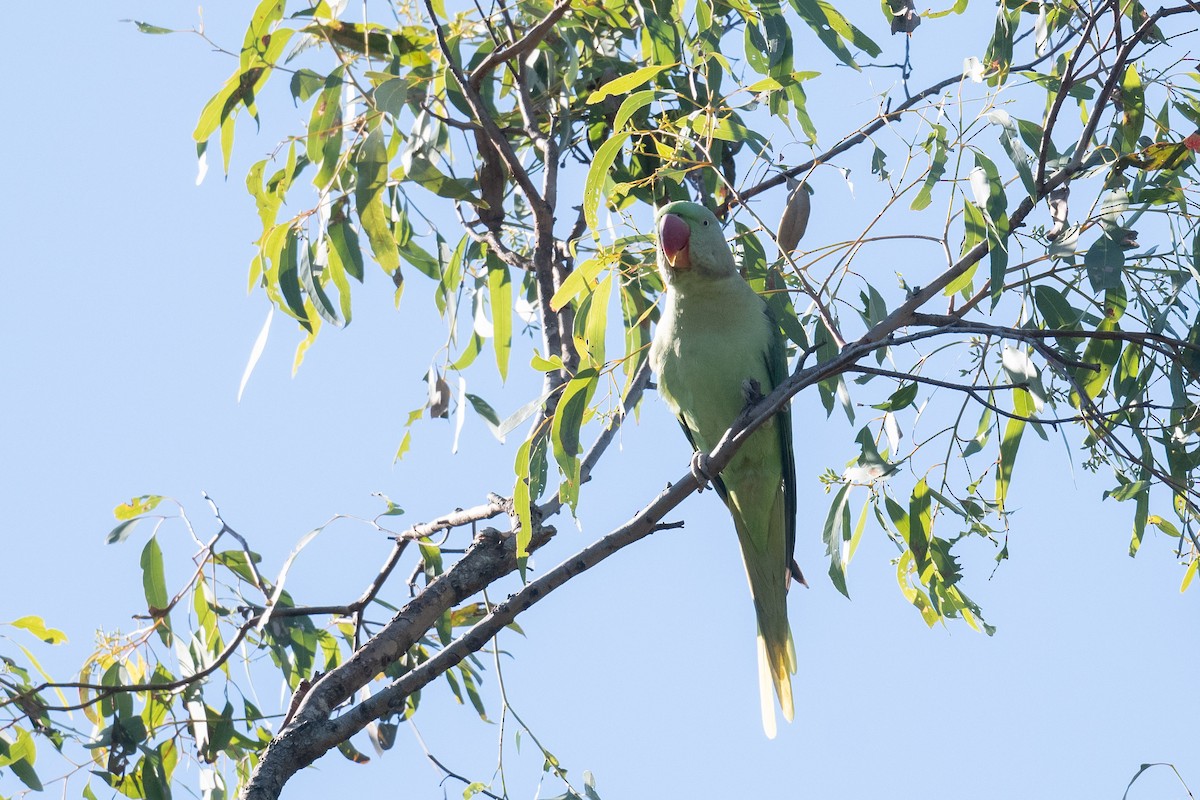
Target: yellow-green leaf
(597, 321)
(631, 105)
(137, 506)
(500, 297)
(593, 186)
(370, 199)
(1022, 406)
(154, 579)
(1189, 574)
(581, 278)
(521, 500)
(627, 83)
(37, 626)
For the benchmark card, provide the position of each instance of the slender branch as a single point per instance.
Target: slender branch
(1067, 81)
(946, 322)
(864, 133)
(1117, 72)
(974, 392)
(259, 583)
(104, 691)
(490, 557)
(494, 507)
(313, 732)
(479, 110)
(1106, 435)
(532, 38)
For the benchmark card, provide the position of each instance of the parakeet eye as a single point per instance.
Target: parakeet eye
(706, 223)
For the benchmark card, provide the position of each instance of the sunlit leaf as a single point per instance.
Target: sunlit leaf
(137, 506)
(37, 626)
(501, 300)
(370, 200)
(593, 185)
(835, 535)
(627, 83)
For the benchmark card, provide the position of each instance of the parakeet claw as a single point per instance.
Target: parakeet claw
(752, 391)
(794, 572)
(700, 469)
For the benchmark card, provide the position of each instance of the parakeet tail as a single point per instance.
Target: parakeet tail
(767, 572)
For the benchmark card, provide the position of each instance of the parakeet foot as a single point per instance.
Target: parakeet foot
(700, 469)
(751, 391)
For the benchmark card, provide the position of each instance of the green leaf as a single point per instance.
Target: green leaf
(1103, 353)
(122, 531)
(1105, 262)
(975, 227)
(581, 279)
(237, 562)
(305, 83)
(551, 364)
(835, 533)
(982, 433)
(1189, 574)
(289, 279)
(627, 83)
(596, 321)
(500, 298)
(901, 398)
(370, 199)
(1133, 110)
(352, 753)
(421, 170)
(1022, 406)
(391, 96)
(19, 757)
(937, 147)
(998, 58)
(834, 30)
(564, 431)
(487, 412)
(631, 105)
(1127, 491)
(146, 27)
(522, 497)
(393, 510)
(217, 109)
(337, 275)
(37, 626)
(593, 185)
(1010, 140)
(1056, 312)
(313, 288)
(154, 579)
(324, 144)
(344, 246)
(920, 524)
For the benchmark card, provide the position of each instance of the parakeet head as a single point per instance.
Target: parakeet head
(690, 241)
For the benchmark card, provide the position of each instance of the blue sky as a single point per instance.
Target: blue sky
(127, 328)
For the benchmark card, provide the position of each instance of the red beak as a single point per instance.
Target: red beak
(673, 236)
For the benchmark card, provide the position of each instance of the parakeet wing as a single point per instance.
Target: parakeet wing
(777, 368)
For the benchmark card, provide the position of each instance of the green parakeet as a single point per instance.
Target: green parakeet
(715, 342)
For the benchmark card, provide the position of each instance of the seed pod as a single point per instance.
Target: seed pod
(795, 218)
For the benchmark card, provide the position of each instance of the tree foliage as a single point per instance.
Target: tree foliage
(504, 158)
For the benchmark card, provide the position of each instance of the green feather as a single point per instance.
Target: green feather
(716, 335)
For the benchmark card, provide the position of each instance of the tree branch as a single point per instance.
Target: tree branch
(532, 38)
(313, 732)
(479, 110)
(864, 133)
